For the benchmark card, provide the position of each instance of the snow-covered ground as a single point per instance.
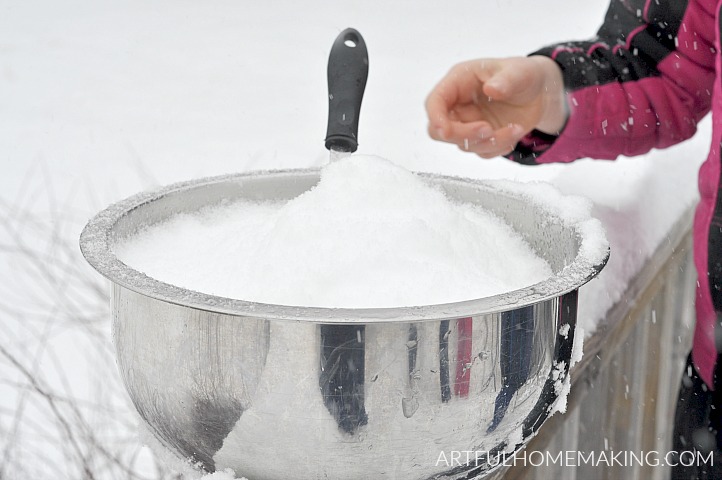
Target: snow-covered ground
(101, 99)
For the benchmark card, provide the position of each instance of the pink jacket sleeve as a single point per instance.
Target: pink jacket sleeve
(644, 82)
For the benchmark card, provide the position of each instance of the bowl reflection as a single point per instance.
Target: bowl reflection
(277, 392)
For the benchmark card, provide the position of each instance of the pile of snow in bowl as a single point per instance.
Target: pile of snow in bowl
(369, 234)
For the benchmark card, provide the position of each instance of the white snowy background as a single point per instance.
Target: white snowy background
(101, 99)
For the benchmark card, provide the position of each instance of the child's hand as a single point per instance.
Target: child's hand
(485, 106)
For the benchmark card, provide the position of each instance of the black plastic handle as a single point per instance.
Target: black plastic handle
(348, 68)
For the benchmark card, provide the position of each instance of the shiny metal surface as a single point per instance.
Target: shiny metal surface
(279, 392)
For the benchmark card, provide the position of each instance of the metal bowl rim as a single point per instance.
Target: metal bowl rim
(95, 244)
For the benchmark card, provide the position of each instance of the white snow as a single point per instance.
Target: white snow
(562, 387)
(226, 474)
(564, 330)
(514, 439)
(368, 228)
(563, 382)
(139, 95)
(102, 99)
(577, 346)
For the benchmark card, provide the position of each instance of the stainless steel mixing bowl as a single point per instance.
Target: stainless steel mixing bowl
(284, 392)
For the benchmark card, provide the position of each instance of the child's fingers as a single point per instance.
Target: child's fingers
(437, 110)
(458, 88)
(511, 81)
(440, 103)
(500, 142)
(462, 133)
(468, 113)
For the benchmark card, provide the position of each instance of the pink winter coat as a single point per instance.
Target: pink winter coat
(644, 82)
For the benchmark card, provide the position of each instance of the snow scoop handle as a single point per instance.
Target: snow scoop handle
(348, 68)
